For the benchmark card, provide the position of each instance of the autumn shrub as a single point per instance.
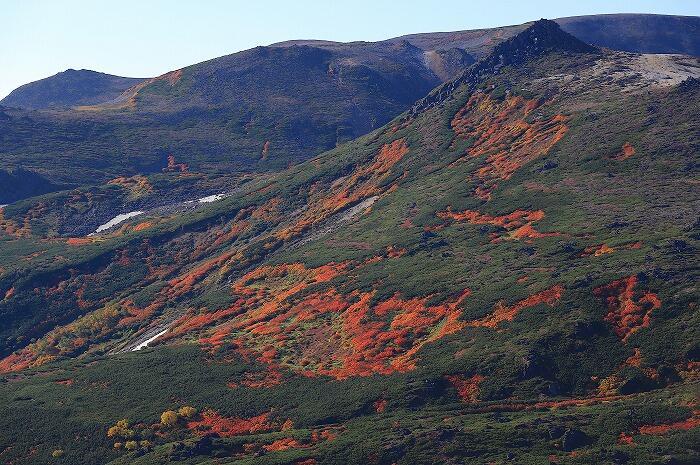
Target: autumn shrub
(187, 411)
(168, 418)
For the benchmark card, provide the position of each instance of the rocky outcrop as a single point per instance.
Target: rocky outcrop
(542, 37)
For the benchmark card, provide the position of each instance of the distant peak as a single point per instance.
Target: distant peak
(540, 38)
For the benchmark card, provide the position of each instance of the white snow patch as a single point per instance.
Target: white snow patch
(211, 198)
(149, 340)
(116, 220)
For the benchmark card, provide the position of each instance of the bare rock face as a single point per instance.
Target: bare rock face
(542, 37)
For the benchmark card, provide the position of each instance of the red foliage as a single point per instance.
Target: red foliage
(504, 136)
(657, 430)
(467, 388)
(212, 422)
(173, 166)
(325, 332)
(597, 250)
(361, 184)
(625, 439)
(79, 241)
(628, 310)
(263, 379)
(283, 444)
(380, 405)
(627, 151)
(518, 224)
(503, 313)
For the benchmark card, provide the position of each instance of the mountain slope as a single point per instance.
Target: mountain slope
(68, 89)
(260, 110)
(507, 272)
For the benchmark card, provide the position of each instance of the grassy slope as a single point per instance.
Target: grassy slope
(401, 248)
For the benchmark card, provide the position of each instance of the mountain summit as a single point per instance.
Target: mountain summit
(68, 89)
(542, 37)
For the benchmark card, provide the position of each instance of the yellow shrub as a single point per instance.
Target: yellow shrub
(168, 418)
(187, 411)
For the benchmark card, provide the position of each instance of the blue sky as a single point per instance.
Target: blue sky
(142, 38)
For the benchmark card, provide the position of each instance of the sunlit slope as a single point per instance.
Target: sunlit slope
(513, 261)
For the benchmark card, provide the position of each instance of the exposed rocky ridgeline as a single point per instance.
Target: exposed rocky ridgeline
(541, 37)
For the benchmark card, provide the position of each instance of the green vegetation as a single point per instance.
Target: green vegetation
(498, 278)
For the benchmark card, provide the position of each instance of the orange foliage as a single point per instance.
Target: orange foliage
(325, 332)
(503, 135)
(597, 250)
(283, 444)
(138, 314)
(142, 226)
(380, 405)
(361, 184)
(269, 211)
(518, 223)
(628, 311)
(211, 421)
(79, 241)
(625, 439)
(510, 221)
(394, 252)
(503, 313)
(137, 185)
(657, 430)
(467, 388)
(265, 150)
(173, 166)
(17, 362)
(12, 228)
(184, 283)
(635, 360)
(10, 292)
(627, 151)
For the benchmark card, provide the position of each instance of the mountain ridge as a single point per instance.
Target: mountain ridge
(628, 32)
(506, 277)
